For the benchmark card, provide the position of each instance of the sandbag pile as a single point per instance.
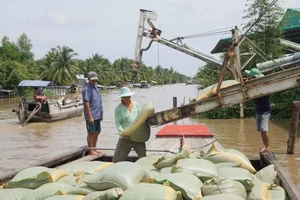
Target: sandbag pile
(217, 174)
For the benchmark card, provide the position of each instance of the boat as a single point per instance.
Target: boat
(107, 87)
(145, 84)
(170, 139)
(46, 110)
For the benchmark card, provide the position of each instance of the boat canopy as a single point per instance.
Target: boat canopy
(34, 83)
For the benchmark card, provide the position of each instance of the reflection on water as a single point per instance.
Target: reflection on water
(23, 146)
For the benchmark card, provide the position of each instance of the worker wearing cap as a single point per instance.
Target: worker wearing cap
(263, 112)
(93, 111)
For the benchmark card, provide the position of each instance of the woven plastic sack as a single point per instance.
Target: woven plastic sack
(146, 111)
(229, 155)
(68, 180)
(147, 160)
(13, 193)
(222, 197)
(201, 168)
(148, 191)
(223, 186)
(267, 174)
(51, 189)
(238, 174)
(278, 193)
(165, 170)
(150, 174)
(168, 161)
(66, 197)
(85, 166)
(188, 184)
(260, 190)
(34, 177)
(122, 174)
(211, 91)
(141, 134)
(111, 194)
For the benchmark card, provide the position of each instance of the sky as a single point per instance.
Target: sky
(109, 27)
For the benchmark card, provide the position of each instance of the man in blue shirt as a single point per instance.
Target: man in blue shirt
(263, 113)
(93, 111)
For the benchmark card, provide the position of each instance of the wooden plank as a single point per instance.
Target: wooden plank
(85, 158)
(51, 162)
(173, 143)
(284, 179)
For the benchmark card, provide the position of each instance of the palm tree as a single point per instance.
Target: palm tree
(63, 68)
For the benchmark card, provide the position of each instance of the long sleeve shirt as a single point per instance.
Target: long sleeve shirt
(124, 118)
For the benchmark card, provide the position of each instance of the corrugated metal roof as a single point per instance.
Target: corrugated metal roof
(34, 83)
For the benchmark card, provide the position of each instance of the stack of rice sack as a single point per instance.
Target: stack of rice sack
(225, 174)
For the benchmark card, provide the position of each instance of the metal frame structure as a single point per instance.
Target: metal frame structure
(239, 93)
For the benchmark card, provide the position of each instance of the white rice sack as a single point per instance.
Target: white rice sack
(85, 166)
(229, 155)
(150, 174)
(238, 174)
(13, 193)
(148, 191)
(223, 186)
(66, 197)
(34, 177)
(165, 170)
(222, 197)
(168, 161)
(260, 190)
(146, 111)
(188, 184)
(147, 160)
(122, 174)
(278, 193)
(111, 194)
(211, 91)
(68, 180)
(267, 174)
(201, 168)
(51, 189)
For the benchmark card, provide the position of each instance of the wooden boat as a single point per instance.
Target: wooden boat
(43, 110)
(168, 142)
(145, 84)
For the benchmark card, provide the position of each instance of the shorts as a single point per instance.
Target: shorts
(262, 121)
(91, 128)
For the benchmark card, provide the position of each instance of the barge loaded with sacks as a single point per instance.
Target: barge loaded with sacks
(192, 166)
(184, 162)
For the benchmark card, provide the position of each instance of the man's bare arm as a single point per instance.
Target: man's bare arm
(88, 111)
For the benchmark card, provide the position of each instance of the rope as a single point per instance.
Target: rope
(158, 54)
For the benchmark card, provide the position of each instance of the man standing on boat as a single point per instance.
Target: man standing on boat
(125, 115)
(37, 92)
(93, 111)
(263, 113)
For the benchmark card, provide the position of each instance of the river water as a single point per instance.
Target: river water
(21, 147)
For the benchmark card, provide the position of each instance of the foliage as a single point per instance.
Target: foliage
(60, 65)
(264, 34)
(266, 31)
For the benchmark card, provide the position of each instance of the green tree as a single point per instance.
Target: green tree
(266, 30)
(62, 70)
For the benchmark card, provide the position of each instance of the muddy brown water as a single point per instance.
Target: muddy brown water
(21, 147)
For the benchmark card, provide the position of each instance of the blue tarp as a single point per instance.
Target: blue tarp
(34, 83)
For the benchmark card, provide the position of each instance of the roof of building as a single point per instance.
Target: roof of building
(34, 83)
(290, 25)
